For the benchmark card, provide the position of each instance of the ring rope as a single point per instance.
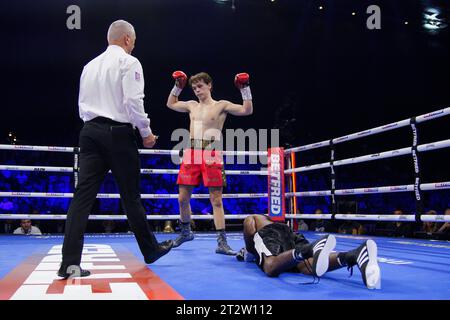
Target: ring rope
(141, 151)
(375, 156)
(19, 147)
(115, 217)
(117, 196)
(365, 133)
(370, 190)
(226, 153)
(143, 171)
(362, 217)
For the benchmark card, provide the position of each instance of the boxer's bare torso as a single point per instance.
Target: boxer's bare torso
(207, 119)
(207, 115)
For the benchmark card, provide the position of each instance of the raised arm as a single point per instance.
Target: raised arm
(246, 108)
(172, 101)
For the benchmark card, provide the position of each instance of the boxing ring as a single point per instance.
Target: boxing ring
(411, 268)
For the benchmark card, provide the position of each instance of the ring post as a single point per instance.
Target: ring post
(76, 168)
(417, 176)
(294, 189)
(333, 181)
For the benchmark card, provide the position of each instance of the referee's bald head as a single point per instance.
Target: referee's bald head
(122, 33)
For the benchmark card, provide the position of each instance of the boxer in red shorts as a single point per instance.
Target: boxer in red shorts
(200, 161)
(208, 166)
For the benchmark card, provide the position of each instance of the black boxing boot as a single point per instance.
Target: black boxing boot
(185, 235)
(222, 245)
(320, 251)
(365, 257)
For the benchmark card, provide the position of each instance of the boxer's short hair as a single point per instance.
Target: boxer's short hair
(202, 76)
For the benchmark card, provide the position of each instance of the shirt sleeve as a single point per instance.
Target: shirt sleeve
(133, 97)
(81, 95)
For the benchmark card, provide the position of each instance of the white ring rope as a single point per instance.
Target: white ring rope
(435, 186)
(322, 193)
(361, 217)
(393, 217)
(228, 172)
(225, 153)
(372, 217)
(159, 152)
(141, 151)
(434, 145)
(35, 168)
(365, 133)
(323, 216)
(143, 171)
(386, 189)
(433, 115)
(376, 217)
(116, 217)
(35, 148)
(117, 196)
(375, 156)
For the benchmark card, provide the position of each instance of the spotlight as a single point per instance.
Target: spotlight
(406, 22)
(226, 2)
(320, 8)
(353, 13)
(433, 21)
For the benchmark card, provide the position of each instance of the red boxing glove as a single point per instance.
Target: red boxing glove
(242, 80)
(180, 79)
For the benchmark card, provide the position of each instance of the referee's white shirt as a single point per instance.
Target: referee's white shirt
(112, 86)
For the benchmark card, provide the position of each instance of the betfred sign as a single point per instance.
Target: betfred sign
(276, 198)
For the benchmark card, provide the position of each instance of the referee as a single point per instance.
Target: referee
(111, 106)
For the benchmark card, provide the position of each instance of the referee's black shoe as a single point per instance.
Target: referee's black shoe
(72, 271)
(164, 248)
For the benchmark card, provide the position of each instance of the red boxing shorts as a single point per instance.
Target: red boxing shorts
(206, 164)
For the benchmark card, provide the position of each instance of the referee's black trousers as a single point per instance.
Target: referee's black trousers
(106, 145)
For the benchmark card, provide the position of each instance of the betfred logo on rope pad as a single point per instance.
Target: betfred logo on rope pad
(276, 197)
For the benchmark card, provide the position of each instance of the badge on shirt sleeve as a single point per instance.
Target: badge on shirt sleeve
(137, 76)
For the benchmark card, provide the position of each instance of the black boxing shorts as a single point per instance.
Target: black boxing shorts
(274, 239)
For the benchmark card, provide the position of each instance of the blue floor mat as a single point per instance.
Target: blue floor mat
(411, 269)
